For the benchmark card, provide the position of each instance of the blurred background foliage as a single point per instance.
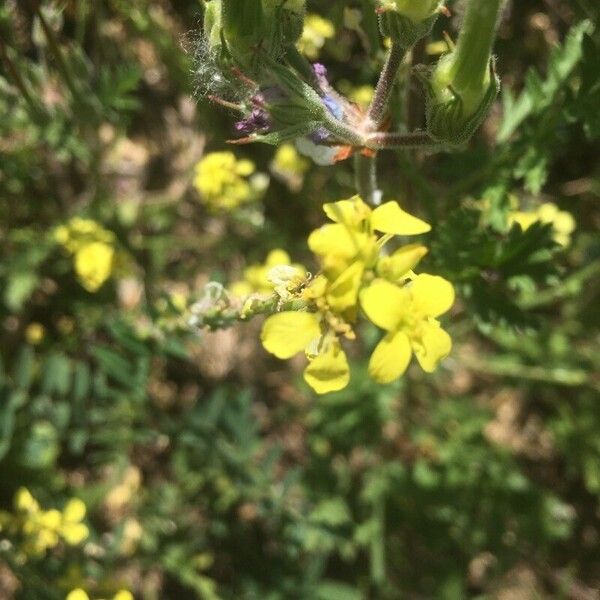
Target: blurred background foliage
(207, 468)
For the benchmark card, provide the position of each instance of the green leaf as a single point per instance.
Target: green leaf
(19, 288)
(24, 368)
(539, 94)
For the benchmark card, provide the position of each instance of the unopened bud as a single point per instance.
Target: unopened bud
(463, 85)
(407, 21)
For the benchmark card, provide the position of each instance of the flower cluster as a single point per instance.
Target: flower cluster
(41, 530)
(356, 273)
(563, 223)
(92, 248)
(225, 182)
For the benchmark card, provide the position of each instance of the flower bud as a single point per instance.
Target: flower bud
(407, 21)
(245, 31)
(463, 85)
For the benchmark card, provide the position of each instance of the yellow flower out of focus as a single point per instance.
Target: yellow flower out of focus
(290, 166)
(350, 252)
(264, 279)
(316, 32)
(225, 183)
(41, 530)
(94, 264)
(92, 248)
(79, 594)
(35, 333)
(563, 223)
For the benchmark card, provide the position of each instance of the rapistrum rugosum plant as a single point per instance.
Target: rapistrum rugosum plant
(364, 269)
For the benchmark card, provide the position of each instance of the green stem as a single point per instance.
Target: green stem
(390, 141)
(474, 47)
(365, 178)
(378, 106)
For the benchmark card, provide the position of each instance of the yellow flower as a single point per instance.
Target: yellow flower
(408, 314)
(563, 223)
(123, 595)
(316, 32)
(77, 594)
(288, 333)
(349, 246)
(288, 161)
(225, 182)
(72, 530)
(25, 502)
(277, 274)
(94, 264)
(362, 95)
(92, 247)
(35, 333)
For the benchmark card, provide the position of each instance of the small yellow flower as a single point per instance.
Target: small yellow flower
(408, 314)
(277, 274)
(563, 223)
(77, 594)
(362, 95)
(94, 265)
(123, 595)
(225, 183)
(35, 333)
(288, 333)
(72, 530)
(316, 32)
(289, 162)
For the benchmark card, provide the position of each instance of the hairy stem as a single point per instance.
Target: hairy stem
(376, 111)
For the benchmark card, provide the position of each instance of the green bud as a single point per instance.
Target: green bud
(407, 21)
(463, 85)
(245, 32)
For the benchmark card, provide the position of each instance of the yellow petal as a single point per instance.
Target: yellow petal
(390, 357)
(337, 240)
(432, 294)
(343, 292)
(123, 595)
(77, 594)
(277, 257)
(51, 519)
(348, 212)
(390, 218)
(25, 502)
(384, 303)
(74, 533)
(395, 267)
(93, 264)
(435, 344)
(74, 511)
(287, 333)
(328, 371)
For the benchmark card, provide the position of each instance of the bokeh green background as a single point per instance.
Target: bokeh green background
(208, 468)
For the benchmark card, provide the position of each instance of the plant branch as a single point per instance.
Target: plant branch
(378, 106)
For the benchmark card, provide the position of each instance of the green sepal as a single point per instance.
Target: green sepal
(446, 122)
(403, 30)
